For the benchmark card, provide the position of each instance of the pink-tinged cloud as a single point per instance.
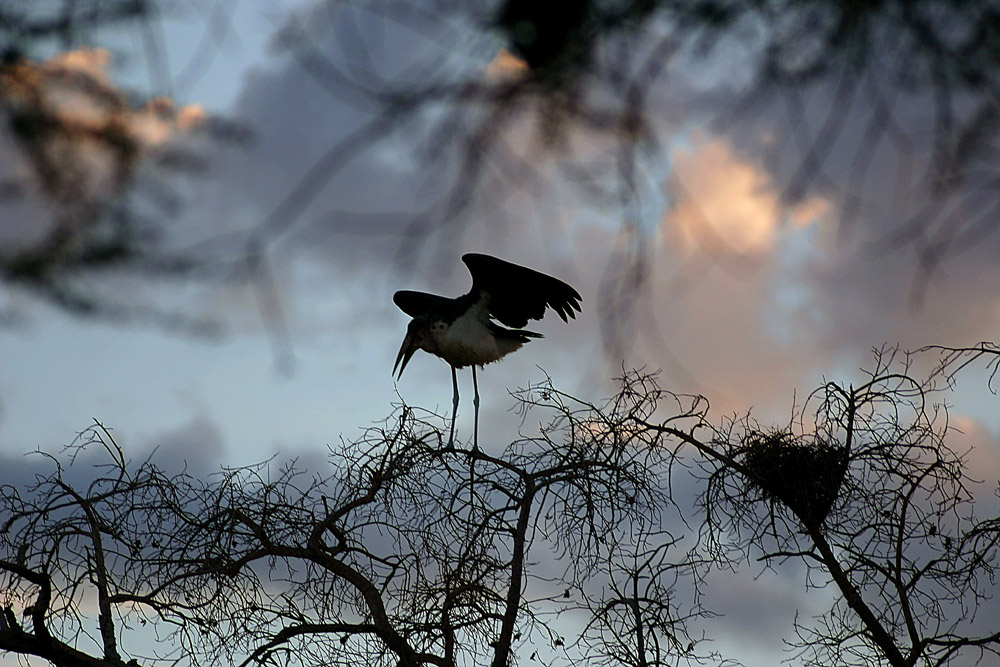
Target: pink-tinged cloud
(71, 141)
(728, 205)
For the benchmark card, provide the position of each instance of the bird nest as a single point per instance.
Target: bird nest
(804, 475)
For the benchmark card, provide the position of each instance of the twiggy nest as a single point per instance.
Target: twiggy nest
(804, 475)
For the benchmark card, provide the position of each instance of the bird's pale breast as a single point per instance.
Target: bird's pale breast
(468, 341)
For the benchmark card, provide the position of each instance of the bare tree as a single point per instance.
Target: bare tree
(401, 552)
(68, 549)
(863, 490)
(568, 546)
(953, 360)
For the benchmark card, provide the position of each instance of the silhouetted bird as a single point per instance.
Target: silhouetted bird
(462, 331)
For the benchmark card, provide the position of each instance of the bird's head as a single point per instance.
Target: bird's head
(418, 336)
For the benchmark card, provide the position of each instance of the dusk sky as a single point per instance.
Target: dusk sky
(749, 296)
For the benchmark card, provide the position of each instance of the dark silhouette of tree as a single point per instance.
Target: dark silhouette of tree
(862, 490)
(567, 546)
(390, 555)
(953, 360)
(68, 549)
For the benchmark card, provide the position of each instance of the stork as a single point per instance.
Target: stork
(462, 331)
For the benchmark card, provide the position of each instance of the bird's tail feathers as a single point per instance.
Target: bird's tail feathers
(520, 335)
(524, 336)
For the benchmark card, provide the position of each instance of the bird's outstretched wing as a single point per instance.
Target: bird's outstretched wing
(417, 304)
(518, 293)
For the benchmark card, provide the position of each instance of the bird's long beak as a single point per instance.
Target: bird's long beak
(406, 351)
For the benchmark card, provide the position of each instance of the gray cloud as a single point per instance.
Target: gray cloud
(196, 446)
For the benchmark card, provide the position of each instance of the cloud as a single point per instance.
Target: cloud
(758, 613)
(89, 188)
(196, 446)
(725, 205)
(71, 137)
(905, 248)
(753, 289)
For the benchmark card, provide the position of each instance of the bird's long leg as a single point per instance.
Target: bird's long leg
(475, 403)
(454, 406)
(475, 438)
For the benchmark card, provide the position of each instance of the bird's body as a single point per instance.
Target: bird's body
(463, 330)
(472, 338)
